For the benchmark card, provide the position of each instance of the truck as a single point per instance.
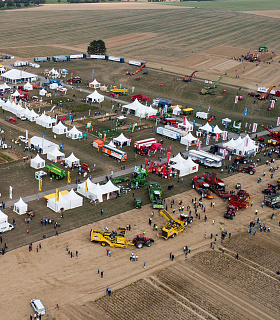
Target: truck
(144, 143)
(155, 195)
(202, 115)
(172, 227)
(55, 172)
(60, 58)
(169, 121)
(75, 80)
(42, 59)
(161, 101)
(170, 134)
(120, 92)
(78, 56)
(272, 200)
(114, 153)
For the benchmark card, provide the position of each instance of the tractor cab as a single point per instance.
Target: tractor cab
(186, 218)
(138, 203)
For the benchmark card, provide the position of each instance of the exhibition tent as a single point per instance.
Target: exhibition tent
(94, 84)
(188, 139)
(121, 140)
(231, 144)
(74, 133)
(86, 185)
(185, 167)
(206, 128)
(110, 188)
(225, 120)
(217, 130)
(31, 115)
(72, 161)
(15, 75)
(62, 203)
(55, 155)
(98, 191)
(176, 159)
(28, 86)
(43, 92)
(4, 87)
(20, 207)
(15, 94)
(176, 111)
(43, 144)
(59, 128)
(95, 97)
(37, 162)
(74, 199)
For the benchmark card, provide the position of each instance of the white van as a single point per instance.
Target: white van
(5, 226)
(38, 306)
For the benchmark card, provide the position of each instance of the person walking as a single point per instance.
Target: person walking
(237, 256)
(144, 265)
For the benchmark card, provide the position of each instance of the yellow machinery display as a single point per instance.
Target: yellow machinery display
(112, 239)
(172, 227)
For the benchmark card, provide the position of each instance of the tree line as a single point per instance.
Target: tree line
(19, 3)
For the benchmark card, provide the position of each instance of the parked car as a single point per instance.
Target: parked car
(38, 306)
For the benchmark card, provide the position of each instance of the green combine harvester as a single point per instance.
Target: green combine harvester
(139, 178)
(55, 172)
(155, 194)
(211, 89)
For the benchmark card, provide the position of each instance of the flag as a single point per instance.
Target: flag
(272, 104)
(213, 128)
(225, 135)
(146, 162)
(236, 99)
(194, 123)
(104, 136)
(245, 111)
(92, 72)
(56, 195)
(168, 156)
(209, 108)
(40, 184)
(217, 137)
(255, 126)
(207, 139)
(200, 107)
(132, 89)
(278, 121)
(185, 121)
(161, 113)
(151, 165)
(187, 145)
(29, 142)
(69, 177)
(197, 142)
(246, 142)
(200, 144)
(72, 74)
(86, 187)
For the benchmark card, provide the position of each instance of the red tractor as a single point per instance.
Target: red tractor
(241, 159)
(250, 169)
(139, 241)
(199, 184)
(186, 218)
(271, 189)
(231, 212)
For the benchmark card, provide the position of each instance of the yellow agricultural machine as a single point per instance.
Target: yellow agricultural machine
(112, 239)
(172, 227)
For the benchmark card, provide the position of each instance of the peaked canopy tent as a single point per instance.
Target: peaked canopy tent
(138, 109)
(94, 84)
(121, 140)
(55, 155)
(74, 134)
(189, 139)
(207, 128)
(31, 115)
(186, 125)
(20, 207)
(59, 128)
(246, 147)
(15, 75)
(43, 144)
(95, 97)
(226, 120)
(37, 162)
(176, 159)
(111, 189)
(15, 94)
(4, 87)
(72, 161)
(146, 112)
(185, 167)
(176, 110)
(217, 130)
(43, 92)
(85, 188)
(45, 121)
(66, 201)
(28, 86)
(54, 73)
(231, 144)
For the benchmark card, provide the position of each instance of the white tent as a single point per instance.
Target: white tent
(74, 133)
(186, 125)
(3, 217)
(206, 128)
(111, 144)
(231, 144)
(28, 86)
(20, 207)
(15, 75)
(95, 97)
(225, 120)
(37, 162)
(146, 112)
(94, 84)
(2, 69)
(45, 121)
(217, 130)
(55, 155)
(82, 189)
(110, 188)
(4, 87)
(31, 115)
(247, 146)
(15, 94)
(185, 167)
(67, 201)
(43, 92)
(54, 73)
(43, 144)
(72, 161)
(59, 128)
(98, 191)
(121, 140)
(176, 159)
(53, 86)
(176, 111)
(188, 139)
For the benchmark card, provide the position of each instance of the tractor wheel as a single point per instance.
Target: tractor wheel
(148, 244)
(139, 245)
(232, 217)
(173, 235)
(186, 223)
(103, 244)
(243, 171)
(251, 172)
(190, 221)
(57, 177)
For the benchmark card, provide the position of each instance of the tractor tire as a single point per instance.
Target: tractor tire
(148, 244)
(190, 221)
(173, 235)
(232, 217)
(243, 171)
(251, 173)
(186, 223)
(139, 245)
(103, 244)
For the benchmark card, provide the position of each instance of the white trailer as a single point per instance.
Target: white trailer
(180, 131)
(170, 134)
(206, 158)
(202, 115)
(144, 143)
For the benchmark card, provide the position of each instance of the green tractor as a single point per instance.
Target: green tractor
(155, 194)
(139, 178)
(137, 203)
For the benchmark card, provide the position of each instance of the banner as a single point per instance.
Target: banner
(187, 146)
(213, 128)
(69, 177)
(245, 111)
(185, 121)
(246, 142)
(236, 99)
(278, 121)
(255, 126)
(146, 163)
(40, 184)
(161, 113)
(11, 192)
(92, 72)
(200, 107)
(217, 137)
(225, 135)
(168, 156)
(26, 136)
(56, 195)
(197, 142)
(272, 104)
(86, 187)
(104, 136)
(193, 123)
(207, 139)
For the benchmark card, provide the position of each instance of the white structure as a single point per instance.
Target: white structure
(37, 162)
(20, 207)
(3, 217)
(15, 94)
(242, 146)
(28, 86)
(74, 134)
(55, 155)
(95, 97)
(185, 167)
(176, 159)
(54, 73)
(67, 201)
(43, 92)
(94, 84)
(206, 158)
(45, 121)
(121, 140)
(53, 86)
(176, 111)
(185, 125)
(59, 128)
(72, 161)
(15, 76)
(188, 140)
(140, 110)
(4, 87)
(43, 144)
(31, 115)
(207, 128)
(225, 120)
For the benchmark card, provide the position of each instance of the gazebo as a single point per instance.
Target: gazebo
(59, 128)
(74, 134)
(20, 207)
(72, 161)
(121, 140)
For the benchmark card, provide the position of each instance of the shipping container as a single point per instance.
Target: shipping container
(60, 58)
(42, 59)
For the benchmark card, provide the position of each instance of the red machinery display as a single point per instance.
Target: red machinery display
(274, 134)
(189, 78)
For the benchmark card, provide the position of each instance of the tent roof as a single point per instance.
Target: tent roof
(37, 158)
(33, 113)
(94, 82)
(74, 130)
(206, 127)
(98, 141)
(15, 94)
(217, 129)
(111, 144)
(56, 153)
(60, 125)
(95, 95)
(135, 105)
(71, 196)
(183, 163)
(226, 120)
(177, 108)
(121, 138)
(20, 203)
(72, 158)
(189, 137)
(110, 187)
(230, 144)
(177, 158)
(4, 86)
(2, 214)
(16, 74)
(52, 195)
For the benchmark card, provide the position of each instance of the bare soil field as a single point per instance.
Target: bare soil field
(196, 286)
(226, 51)
(128, 38)
(266, 13)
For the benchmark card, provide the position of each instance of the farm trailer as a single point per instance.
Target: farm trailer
(114, 153)
(55, 172)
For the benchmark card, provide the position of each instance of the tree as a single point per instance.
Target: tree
(10, 3)
(97, 47)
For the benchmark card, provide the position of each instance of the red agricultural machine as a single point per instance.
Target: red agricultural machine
(275, 135)
(189, 78)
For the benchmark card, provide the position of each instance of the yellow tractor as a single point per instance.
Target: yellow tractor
(112, 239)
(172, 227)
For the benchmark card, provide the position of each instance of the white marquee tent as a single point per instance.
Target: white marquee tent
(140, 110)
(176, 159)
(20, 207)
(94, 84)
(186, 125)
(59, 128)
(4, 87)
(31, 115)
(45, 121)
(67, 201)
(121, 140)
(176, 111)
(15, 94)
(43, 144)
(28, 86)
(43, 92)
(37, 162)
(95, 97)
(74, 133)
(3, 217)
(185, 167)
(188, 139)
(55, 155)
(72, 161)
(247, 146)
(15, 75)
(206, 128)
